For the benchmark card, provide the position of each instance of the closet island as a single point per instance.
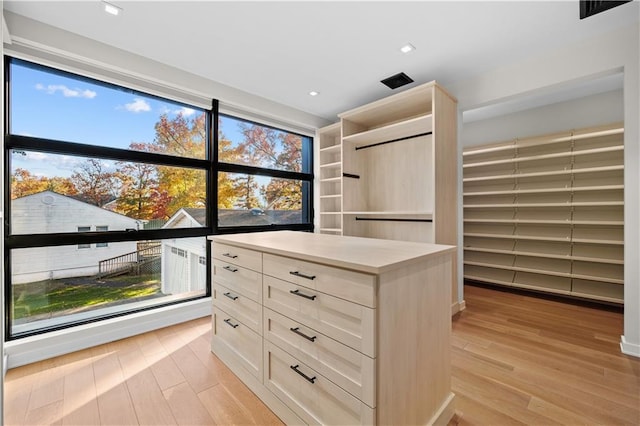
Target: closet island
(330, 329)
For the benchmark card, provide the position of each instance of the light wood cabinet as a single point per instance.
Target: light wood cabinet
(546, 213)
(388, 170)
(354, 330)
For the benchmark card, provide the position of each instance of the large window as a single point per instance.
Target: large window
(110, 193)
(264, 177)
(106, 196)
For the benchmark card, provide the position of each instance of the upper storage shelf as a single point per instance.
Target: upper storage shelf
(420, 125)
(382, 114)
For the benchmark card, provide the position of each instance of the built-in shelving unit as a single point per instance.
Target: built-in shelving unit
(398, 164)
(546, 213)
(330, 180)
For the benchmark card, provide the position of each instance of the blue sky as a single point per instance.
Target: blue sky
(52, 106)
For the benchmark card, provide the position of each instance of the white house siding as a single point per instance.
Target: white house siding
(48, 212)
(184, 265)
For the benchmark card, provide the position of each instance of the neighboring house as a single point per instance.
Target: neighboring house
(49, 212)
(184, 262)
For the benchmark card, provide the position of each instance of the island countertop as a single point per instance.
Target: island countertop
(368, 255)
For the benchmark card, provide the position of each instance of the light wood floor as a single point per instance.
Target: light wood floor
(516, 360)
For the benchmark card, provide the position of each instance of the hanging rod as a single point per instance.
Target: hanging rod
(393, 219)
(350, 175)
(394, 140)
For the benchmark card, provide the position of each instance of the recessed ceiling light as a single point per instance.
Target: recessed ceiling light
(407, 48)
(111, 9)
(314, 93)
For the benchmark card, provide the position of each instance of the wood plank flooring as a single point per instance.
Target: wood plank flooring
(516, 359)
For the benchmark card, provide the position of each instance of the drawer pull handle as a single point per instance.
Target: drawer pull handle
(306, 296)
(300, 333)
(298, 274)
(230, 296)
(228, 321)
(230, 269)
(233, 256)
(309, 379)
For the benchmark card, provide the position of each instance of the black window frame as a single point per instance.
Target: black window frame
(305, 177)
(18, 241)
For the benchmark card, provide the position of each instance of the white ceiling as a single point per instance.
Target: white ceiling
(283, 50)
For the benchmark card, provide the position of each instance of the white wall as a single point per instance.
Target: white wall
(609, 53)
(588, 111)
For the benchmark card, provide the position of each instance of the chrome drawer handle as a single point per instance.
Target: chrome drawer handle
(230, 296)
(228, 321)
(230, 269)
(300, 333)
(233, 256)
(309, 379)
(297, 293)
(298, 274)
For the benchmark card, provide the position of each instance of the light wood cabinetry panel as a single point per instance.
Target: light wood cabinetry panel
(398, 170)
(244, 343)
(354, 330)
(546, 213)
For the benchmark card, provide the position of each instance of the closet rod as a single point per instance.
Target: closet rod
(350, 175)
(393, 219)
(394, 140)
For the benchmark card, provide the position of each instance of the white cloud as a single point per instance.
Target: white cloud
(186, 112)
(138, 105)
(52, 89)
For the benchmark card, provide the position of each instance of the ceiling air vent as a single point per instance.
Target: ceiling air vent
(593, 7)
(397, 80)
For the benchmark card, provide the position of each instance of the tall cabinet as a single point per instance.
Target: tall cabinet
(546, 213)
(388, 170)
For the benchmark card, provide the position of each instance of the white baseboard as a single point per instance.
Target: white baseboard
(628, 348)
(39, 347)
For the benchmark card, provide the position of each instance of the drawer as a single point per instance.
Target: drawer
(346, 322)
(344, 366)
(354, 286)
(238, 256)
(238, 279)
(310, 395)
(238, 306)
(243, 342)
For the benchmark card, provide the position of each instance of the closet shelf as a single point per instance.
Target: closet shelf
(486, 280)
(330, 180)
(547, 190)
(542, 174)
(597, 241)
(410, 127)
(330, 196)
(546, 255)
(547, 272)
(519, 269)
(523, 143)
(549, 222)
(335, 165)
(516, 160)
(330, 149)
(422, 214)
(331, 213)
(568, 204)
(597, 297)
(517, 237)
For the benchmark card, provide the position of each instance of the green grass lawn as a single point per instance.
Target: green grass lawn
(50, 296)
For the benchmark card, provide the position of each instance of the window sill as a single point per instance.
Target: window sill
(43, 346)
